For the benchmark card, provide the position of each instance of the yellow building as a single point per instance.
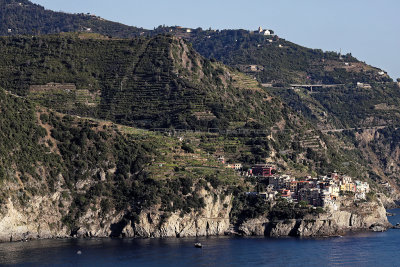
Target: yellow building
(349, 187)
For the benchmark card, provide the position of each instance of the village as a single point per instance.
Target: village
(323, 191)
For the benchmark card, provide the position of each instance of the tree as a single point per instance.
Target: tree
(303, 203)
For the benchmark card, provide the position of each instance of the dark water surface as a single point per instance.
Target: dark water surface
(363, 249)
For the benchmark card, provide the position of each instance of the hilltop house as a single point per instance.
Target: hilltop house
(264, 32)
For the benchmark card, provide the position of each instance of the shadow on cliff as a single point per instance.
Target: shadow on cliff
(117, 228)
(277, 228)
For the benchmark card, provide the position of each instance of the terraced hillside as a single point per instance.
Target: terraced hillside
(66, 176)
(272, 59)
(161, 82)
(346, 106)
(153, 82)
(269, 58)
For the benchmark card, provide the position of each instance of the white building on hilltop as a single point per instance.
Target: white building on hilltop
(264, 32)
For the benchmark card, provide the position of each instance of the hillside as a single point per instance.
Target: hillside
(268, 58)
(64, 176)
(358, 103)
(346, 106)
(56, 171)
(155, 82)
(24, 17)
(103, 176)
(161, 83)
(272, 59)
(92, 75)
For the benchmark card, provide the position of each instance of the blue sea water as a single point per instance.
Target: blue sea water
(361, 249)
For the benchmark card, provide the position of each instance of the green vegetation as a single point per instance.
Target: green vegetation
(163, 100)
(93, 165)
(24, 17)
(162, 82)
(280, 60)
(114, 81)
(347, 106)
(19, 137)
(253, 206)
(246, 207)
(158, 82)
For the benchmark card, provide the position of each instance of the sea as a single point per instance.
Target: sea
(355, 249)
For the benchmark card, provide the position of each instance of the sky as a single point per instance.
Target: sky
(369, 29)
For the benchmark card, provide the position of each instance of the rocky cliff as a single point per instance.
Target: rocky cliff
(38, 219)
(41, 219)
(213, 219)
(350, 216)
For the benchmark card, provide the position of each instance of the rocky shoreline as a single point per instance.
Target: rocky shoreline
(295, 228)
(213, 220)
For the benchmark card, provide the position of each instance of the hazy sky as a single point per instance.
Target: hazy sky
(369, 29)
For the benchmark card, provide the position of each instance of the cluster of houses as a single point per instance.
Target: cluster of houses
(323, 191)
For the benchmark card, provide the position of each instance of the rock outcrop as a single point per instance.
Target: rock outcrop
(212, 220)
(38, 219)
(389, 202)
(41, 219)
(351, 216)
(256, 227)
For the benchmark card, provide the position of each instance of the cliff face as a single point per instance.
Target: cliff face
(213, 220)
(41, 219)
(349, 217)
(381, 148)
